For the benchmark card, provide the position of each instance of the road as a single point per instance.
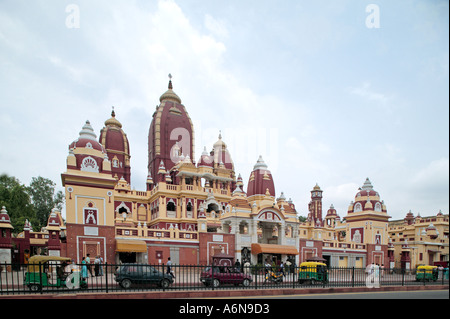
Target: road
(417, 294)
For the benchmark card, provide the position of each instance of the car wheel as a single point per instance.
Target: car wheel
(216, 283)
(125, 283)
(246, 283)
(164, 283)
(35, 287)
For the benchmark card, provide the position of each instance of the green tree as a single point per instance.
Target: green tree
(44, 199)
(15, 197)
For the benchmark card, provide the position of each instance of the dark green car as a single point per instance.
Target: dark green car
(140, 274)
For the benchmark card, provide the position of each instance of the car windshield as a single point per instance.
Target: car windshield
(137, 269)
(215, 268)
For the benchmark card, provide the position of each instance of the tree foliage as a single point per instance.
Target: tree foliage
(43, 198)
(34, 202)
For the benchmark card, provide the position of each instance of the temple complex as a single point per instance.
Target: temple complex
(194, 208)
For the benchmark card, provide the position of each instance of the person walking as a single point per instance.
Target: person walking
(88, 263)
(169, 268)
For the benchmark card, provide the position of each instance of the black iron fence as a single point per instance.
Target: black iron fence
(56, 278)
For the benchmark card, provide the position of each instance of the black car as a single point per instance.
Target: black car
(129, 274)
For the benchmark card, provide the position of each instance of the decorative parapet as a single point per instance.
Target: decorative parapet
(156, 234)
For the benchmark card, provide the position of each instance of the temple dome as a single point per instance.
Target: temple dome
(221, 155)
(86, 153)
(170, 95)
(367, 199)
(115, 142)
(170, 124)
(260, 164)
(332, 211)
(5, 221)
(113, 121)
(87, 139)
(205, 159)
(260, 181)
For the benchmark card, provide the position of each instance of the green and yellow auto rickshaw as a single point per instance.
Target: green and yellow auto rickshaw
(51, 271)
(426, 273)
(312, 272)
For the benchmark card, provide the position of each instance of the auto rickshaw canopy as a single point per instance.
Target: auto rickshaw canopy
(426, 268)
(310, 264)
(34, 261)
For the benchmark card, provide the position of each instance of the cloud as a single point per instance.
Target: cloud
(391, 154)
(433, 178)
(216, 27)
(426, 191)
(340, 196)
(367, 93)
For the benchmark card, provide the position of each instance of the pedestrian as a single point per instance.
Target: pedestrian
(101, 265)
(288, 266)
(84, 270)
(169, 268)
(282, 268)
(440, 272)
(247, 267)
(237, 266)
(88, 263)
(268, 271)
(97, 266)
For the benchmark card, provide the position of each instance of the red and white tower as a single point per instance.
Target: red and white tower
(315, 206)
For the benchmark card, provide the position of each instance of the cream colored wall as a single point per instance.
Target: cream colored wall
(81, 197)
(418, 243)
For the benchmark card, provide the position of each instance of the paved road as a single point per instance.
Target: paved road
(419, 294)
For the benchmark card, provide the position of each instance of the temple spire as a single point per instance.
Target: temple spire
(170, 82)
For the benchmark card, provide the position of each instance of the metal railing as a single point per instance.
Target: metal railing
(106, 278)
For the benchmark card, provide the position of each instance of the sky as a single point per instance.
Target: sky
(328, 92)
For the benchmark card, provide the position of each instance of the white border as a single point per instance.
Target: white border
(90, 237)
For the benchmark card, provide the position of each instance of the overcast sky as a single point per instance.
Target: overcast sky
(328, 92)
